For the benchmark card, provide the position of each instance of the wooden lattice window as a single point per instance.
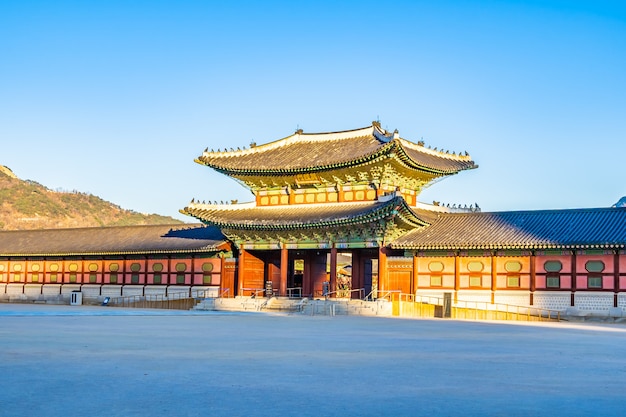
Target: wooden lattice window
(436, 280)
(93, 268)
(553, 281)
(553, 266)
(54, 269)
(594, 266)
(513, 281)
(476, 281)
(135, 267)
(594, 282)
(34, 276)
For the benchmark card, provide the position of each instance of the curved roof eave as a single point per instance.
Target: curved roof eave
(386, 143)
(390, 207)
(113, 253)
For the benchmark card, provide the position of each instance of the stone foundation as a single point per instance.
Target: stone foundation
(552, 300)
(132, 290)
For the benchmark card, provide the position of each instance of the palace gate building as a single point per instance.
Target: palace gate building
(337, 214)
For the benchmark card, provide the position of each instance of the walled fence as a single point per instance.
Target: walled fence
(472, 305)
(96, 294)
(173, 301)
(443, 308)
(392, 305)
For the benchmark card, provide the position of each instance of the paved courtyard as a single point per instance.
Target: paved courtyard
(103, 361)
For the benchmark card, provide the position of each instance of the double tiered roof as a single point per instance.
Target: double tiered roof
(334, 157)
(346, 188)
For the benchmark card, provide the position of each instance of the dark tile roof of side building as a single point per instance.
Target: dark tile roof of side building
(112, 240)
(602, 228)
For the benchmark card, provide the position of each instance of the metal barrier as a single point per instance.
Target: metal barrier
(386, 295)
(295, 292)
(253, 292)
(403, 305)
(176, 300)
(429, 306)
(346, 294)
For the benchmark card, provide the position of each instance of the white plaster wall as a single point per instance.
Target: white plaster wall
(132, 290)
(91, 290)
(32, 290)
(177, 289)
(15, 289)
(552, 300)
(515, 298)
(593, 301)
(111, 290)
(209, 291)
(471, 297)
(51, 289)
(155, 290)
(68, 288)
(429, 293)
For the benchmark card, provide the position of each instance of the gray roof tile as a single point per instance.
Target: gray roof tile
(574, 228)
(111, 240)
(296, 216)
(306, 152)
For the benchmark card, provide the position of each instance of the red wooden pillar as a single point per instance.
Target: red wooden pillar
(382, 270)
(379, 190)
(457, 276)
(494, 277)
(533, 278)
(333, 271)
(616, 278)
(284, 266)
(222, 278)
(415, 276)
(357, 274)
(307, 285)
(340, 196)
(241, 271)
(574, 279)
(292, 195)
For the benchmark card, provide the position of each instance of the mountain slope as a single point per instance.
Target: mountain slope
(27, 205)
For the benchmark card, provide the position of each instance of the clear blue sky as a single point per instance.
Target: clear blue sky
(117, 98)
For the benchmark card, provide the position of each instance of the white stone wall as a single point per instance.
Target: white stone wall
(621, 302)
(208, 291)
(68, 288)
(66, 291)
(111, 290)
(32, 290)
(90, 290)
(50, 290)
(469, 298)
(429, 293)
(132, 290)
(178, 289)
(15, 289)
(515, 298)
(599, 302)
(552, 300)
(155, 290)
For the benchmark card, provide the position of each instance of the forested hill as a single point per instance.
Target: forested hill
(26, 204)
